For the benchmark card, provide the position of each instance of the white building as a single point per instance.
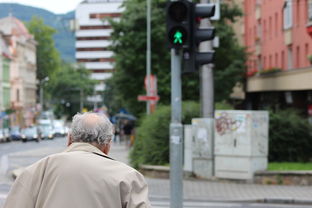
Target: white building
(93, 38)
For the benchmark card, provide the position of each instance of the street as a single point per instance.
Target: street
(17, 154)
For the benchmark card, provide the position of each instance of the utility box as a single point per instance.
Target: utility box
(241, 143)
(202, 147)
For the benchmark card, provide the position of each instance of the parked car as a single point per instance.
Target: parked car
(6, 133)
(15, 133)
(2, 137)
(47, 132)
(30, 133)
(59, 128)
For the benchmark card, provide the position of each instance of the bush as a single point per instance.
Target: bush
(290, 137)
(152, 136)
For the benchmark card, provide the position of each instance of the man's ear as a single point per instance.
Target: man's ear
(105, 148)
(69, 140)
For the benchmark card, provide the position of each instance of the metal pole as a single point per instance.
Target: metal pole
(207, 84)
(81, 99)
(148, 53)
(176, 133)
(41, 95)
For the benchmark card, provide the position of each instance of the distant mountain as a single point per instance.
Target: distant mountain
(64, 39)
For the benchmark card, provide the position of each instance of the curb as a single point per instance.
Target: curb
(261, 200)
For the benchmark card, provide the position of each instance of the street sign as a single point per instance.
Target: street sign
(148, 98)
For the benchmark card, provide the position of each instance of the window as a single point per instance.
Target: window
(276, 60)
(17, 95)
(270, 27)
(298, 57)
(270, 61)
(289, 58)
(283, 60)
(259, 67)
(310, 10)
(264, 29)
(264, 62)
(297, 12)
(276, 24)
(287, 11)
(307, 53)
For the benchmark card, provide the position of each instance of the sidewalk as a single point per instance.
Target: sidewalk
(203, 190)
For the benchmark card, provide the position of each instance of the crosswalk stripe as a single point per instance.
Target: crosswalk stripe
(3, 196)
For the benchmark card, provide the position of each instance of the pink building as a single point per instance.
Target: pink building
(22, 71)
(276, 34)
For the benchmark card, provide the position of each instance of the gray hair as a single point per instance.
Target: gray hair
(91, 127)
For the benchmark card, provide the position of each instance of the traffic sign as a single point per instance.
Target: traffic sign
(148, 98)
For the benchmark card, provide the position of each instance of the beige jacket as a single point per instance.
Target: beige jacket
(80, 177)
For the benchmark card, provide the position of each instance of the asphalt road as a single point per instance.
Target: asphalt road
(12, 155)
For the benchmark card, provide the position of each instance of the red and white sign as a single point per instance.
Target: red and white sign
(153, 85)
(148, 98)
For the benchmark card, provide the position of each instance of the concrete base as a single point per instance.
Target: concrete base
(202, 168)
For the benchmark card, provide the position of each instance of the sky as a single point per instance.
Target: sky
(55, 6)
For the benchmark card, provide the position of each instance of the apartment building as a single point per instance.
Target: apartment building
(22, 47)
(277, 35)
(93, 40)
(5, 59)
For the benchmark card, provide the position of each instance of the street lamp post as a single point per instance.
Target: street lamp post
(41, 90)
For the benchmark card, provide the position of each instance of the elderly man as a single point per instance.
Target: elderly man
(83, 176)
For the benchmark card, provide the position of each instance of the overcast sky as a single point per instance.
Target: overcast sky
(56, 6)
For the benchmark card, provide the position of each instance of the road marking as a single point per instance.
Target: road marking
(4, 164)
(3, 196)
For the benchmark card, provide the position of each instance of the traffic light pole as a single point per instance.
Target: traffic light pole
(176, 132)
(207, 86)
(148, 54)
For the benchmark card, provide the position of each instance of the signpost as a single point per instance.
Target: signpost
(148, 98)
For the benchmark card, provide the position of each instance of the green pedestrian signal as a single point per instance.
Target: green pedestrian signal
(178, 37)
(178, 23)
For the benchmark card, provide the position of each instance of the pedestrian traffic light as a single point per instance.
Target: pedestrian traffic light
(192, 57)
(179, 24)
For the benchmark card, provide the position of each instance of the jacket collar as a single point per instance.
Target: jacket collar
(86, 147)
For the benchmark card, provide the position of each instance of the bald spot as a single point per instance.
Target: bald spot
(91, 119)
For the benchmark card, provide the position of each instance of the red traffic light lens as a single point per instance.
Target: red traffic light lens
(178, 11)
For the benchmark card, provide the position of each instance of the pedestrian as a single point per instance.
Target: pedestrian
(83, 175)
(127, 132)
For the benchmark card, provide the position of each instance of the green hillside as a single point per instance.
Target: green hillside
(64, 38)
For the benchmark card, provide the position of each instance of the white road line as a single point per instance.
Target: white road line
(4, 164)
(3, 196)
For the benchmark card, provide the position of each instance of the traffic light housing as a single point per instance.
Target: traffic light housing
(179, 24)
(193, 59)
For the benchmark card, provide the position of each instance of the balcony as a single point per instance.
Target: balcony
(92, 43)
(99, 65)
(93, 54)
(93, 33)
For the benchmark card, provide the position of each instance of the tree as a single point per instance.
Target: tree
(129, 46)
(48, 59)
(67, 88)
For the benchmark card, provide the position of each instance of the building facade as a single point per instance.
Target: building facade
(278, 42)
(22, 71)
(93, 39)
(5, 59)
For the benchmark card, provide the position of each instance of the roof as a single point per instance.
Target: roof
(15, 27)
